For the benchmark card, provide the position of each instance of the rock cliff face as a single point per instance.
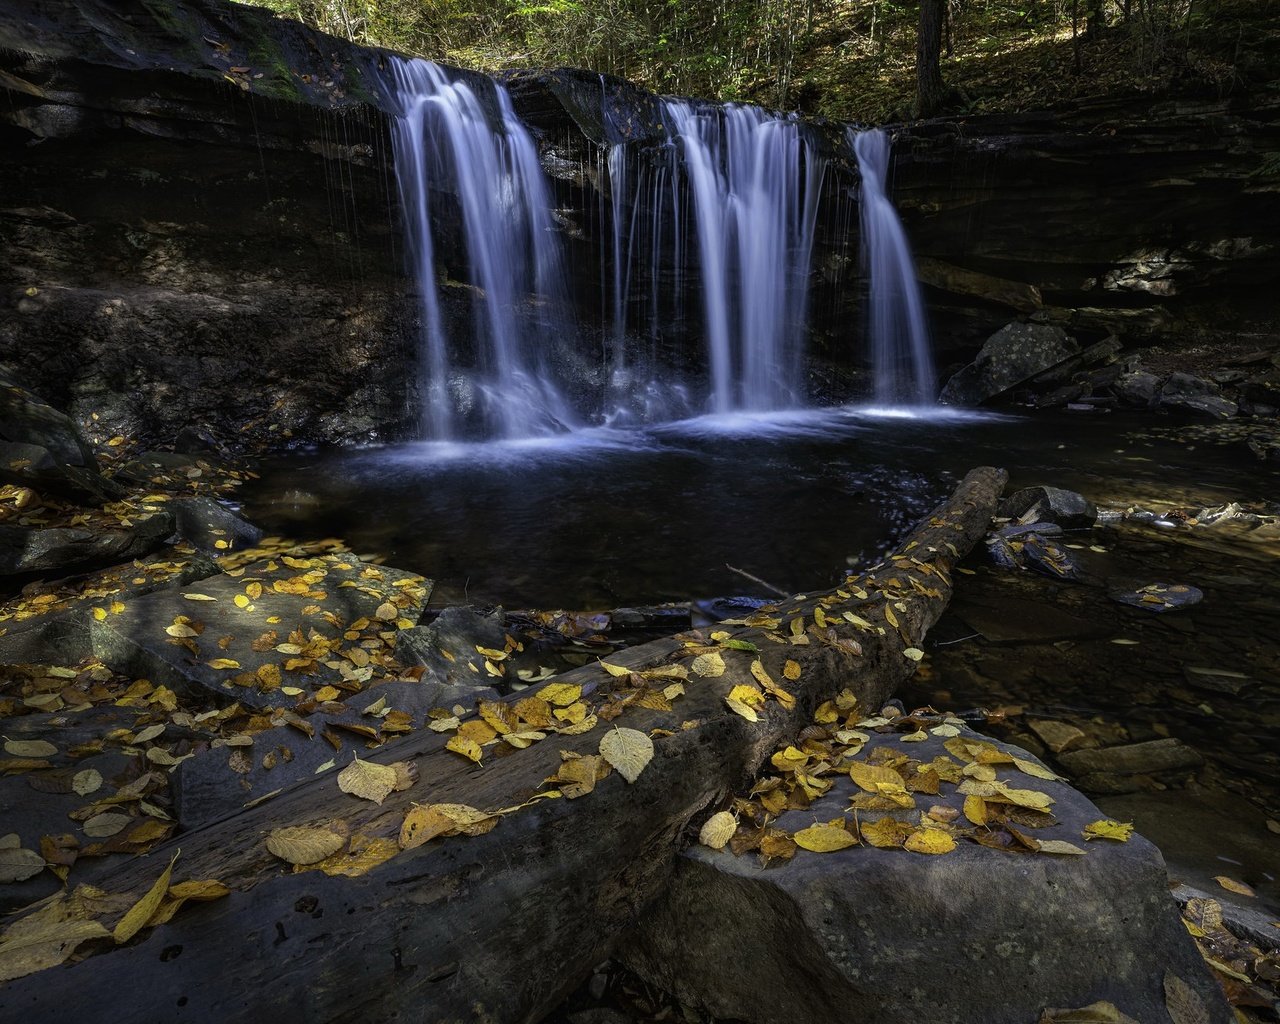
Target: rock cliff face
(201, 194)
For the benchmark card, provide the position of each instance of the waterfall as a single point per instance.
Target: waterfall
(462, 137)
(755, 182)
(896, 323)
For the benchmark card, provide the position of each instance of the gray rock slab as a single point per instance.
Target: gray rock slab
(315, 600)
(898, 938)
(447, 647)
(48, 549)
(59, 635)
(1137, 389)
(1158, 597)
(1067, 509)
(1014, 354)
(1165, 755)
(211, 526)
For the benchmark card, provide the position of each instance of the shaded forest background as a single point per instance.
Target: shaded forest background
(850, 59)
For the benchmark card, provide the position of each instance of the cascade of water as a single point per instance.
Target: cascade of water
(445, 138)
(897, 326)
(755, 182)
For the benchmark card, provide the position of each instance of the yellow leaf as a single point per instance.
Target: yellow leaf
(1035, 770)
(745, 710)
(224, 663)
(578, 728)
(40, 941)
(1182, 1002)
(326, 693)
(1058, 846)
(824, 838)
(560, 694)
(627, 750)
(930, 841)
(99, 614)
(890, 617)
(913, 653)
(254, 590)
(573, 714)
(301, 844)
(242, 601)
(872, 777)
(1108, 829)
(180, 629)
(425, 822)
(615, 670)
(975, 809)
(1231, 885)
(791, 670)
(748, 694)
(886, 834)
(29, 748)
(500, 715)
(367, 780)
(365, 853)
(717, 830)
(199, 597)
(710, 664)
(468, 748)
(140, 913)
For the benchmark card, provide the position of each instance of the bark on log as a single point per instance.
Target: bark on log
(498, 927)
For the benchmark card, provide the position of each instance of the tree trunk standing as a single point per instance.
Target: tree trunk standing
(1096, 24)
(1075, 32)
(929, 89)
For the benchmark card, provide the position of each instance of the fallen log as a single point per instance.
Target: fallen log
(500, 926)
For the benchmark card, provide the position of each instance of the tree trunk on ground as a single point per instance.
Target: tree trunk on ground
(500, 926)
(929, 89)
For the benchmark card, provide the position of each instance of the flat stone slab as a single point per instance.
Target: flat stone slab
(895, 937)
(52, 628)
(275, 632)
(57, 548)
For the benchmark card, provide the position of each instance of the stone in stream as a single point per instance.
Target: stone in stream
(448, 647)
(1067, 509)
(1014, 354)
(1151, 757)
(1158, 597)
(32, 549)
(211, 526)
(301, 623)
(52, 627)
(1138, 389)
(891, 936)
(1186, 393)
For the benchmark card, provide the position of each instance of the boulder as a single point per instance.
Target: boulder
(1138, 389)
(25, 549)
(312, 623)
(1011, 356)
(42, 448)
(211, 526)
(53, 628)
(890, 936)
(1187, 393)
(1068, 509)
(447, 647)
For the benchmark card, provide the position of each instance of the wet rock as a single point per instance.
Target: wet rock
(1047, 558)
(1057, 736)
(1066, 509)
(885, 935)
(219, 641)
(36, 549)
(447, 647)
(28, 419)
(198, 441)
(211, 526)
(1188, 393)
(1012, 531)
(416, 698)
(1011, 356)
(163, 468)
(1217, 680)
(1137, 389)
(1152, 757)
(57, 632)
(1158, 597)
(1002, 553)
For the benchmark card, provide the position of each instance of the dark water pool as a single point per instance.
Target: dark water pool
(604, 518)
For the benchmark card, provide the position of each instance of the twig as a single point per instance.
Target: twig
(756, 579)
